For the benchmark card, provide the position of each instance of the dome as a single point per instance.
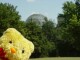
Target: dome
(38, 18)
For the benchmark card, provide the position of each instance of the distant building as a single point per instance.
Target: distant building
(38, 18)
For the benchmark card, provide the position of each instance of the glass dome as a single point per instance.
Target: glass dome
(38, 18)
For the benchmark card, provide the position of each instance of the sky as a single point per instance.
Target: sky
(49, 8)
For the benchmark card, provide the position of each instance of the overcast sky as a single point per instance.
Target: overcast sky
(49, 8)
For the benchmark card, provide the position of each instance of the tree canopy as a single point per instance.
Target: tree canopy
(71, 26)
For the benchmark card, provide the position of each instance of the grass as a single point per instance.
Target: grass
(58, 58)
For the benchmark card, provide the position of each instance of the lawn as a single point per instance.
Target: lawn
(58, 58)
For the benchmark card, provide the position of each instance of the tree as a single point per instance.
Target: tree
(74, 30)
(71, 27)
(21, 27)
(42, 45)
(77, 9)
(9, 17)
(49, 30)
(69, 9)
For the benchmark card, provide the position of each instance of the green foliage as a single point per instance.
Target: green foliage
(49, 30)
(74, 30)
(36, 35)
(69, 9)
(70, 29)
(9, 17)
